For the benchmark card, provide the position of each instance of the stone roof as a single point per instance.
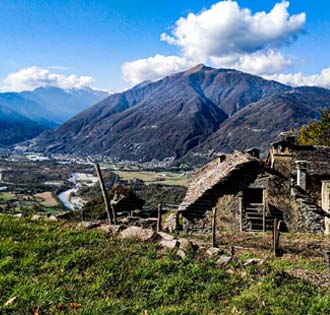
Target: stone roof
(212, 174)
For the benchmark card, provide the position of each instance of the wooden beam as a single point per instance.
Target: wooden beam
(240, 209)
(214, 222)
(159, 218)
(104, 193)
(276, 237)
(264, 211)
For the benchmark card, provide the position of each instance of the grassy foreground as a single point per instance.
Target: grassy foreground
(53, 269)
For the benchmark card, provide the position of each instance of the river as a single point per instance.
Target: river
(78, 179)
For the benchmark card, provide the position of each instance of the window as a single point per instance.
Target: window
(253, 195)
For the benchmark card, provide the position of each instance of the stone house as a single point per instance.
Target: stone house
(292, 185)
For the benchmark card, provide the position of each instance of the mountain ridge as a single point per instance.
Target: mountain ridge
(187, 112)
(41, 109)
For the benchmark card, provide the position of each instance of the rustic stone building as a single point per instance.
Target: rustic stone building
(250, 193)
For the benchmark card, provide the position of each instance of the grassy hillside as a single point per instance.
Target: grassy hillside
(54, 269)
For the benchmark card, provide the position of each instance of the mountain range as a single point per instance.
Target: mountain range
(185, 115)
(23, 115)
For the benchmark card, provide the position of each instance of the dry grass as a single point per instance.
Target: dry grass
(48, 199)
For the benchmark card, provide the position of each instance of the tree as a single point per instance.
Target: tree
(316, 133)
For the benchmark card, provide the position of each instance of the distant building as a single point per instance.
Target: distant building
(292, 185)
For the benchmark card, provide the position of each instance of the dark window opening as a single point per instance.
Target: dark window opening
(253, 195)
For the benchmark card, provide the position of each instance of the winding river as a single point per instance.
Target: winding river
(74, 203)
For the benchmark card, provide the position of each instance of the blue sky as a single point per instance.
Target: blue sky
(95, 39)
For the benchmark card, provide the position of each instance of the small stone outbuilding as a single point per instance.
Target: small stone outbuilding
(292, 185)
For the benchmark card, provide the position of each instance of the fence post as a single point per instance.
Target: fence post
(240, 209)
(104, 193)
(327, 258)
(159, 218)
(214, 223)
(276, 237)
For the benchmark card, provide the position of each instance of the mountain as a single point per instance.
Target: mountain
(259, 123)
(202, 108)
(16, 128)
(185, 115)
(64, 104)
(43, 108)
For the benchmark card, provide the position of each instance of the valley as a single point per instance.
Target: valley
(33, 184)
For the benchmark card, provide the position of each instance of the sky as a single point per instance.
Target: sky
(116, 44)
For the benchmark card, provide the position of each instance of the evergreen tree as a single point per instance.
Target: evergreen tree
(316, 133)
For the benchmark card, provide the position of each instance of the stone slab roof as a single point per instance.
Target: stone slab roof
(213, 174)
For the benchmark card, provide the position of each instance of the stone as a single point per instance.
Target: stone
(18, 215)
(223, 261)
(36, 217)
(169, 244)
(88, 225)
(51, 218)
(214, 251)
(253, 261)
(165, 236)
(170, 223)
(138, 233)
(181, 253)
(111, 229)
(185, 244)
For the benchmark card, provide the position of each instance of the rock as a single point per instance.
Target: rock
(181, 253)
(165, 236)
(188, 245)
(169, 244)
(124, 220)
(51, 218)
(11, 301)
(88, 225)
(18, 215)
(83, 225)
(214, 251)
(223, 261)
(170, 223)
(138, 233)
(36, 217)
(111, 229)
(253, 261)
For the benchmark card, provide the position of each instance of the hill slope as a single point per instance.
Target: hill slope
(259, 123)
(54, 269)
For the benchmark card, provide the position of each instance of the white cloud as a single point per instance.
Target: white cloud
(34, 77)
(225, 35)
(298, 79)
(153, 68)
(264, 62)
(226, 28)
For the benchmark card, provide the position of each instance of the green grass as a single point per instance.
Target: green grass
(52, 265)
(7, 196)
(171, 178)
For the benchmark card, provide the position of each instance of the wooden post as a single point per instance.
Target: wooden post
(214, 227)
(159, 218)
(104, 193)
(240, 209)
(264, 212)
(113, 212)
(177, 221)
(327, 258)
(264, 219)
(232, 251)
(276, 237)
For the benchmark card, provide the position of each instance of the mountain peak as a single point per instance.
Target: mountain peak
(199, 67)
